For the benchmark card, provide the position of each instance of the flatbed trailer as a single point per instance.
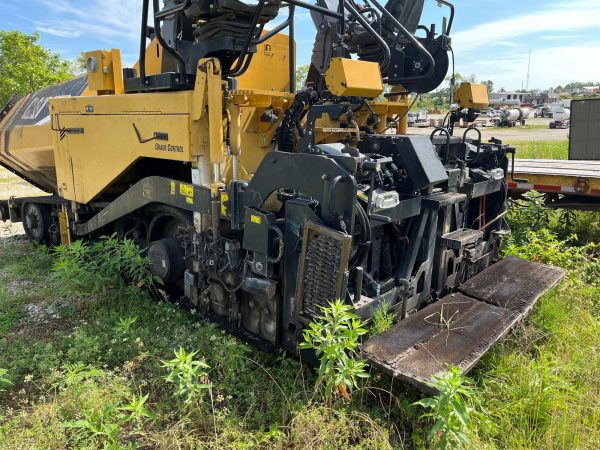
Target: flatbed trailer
(568, 183)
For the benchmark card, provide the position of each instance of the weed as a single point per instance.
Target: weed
(101, 426)
(3, 378)
(450, 411)
(189, 376)
(544, 246)
(110, 263)
(136, 412)
(382, 320)
(335, 339)
(124, 327)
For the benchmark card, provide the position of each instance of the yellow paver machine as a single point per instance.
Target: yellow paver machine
(258, 203)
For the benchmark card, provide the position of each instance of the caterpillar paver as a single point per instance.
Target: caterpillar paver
(262, 204)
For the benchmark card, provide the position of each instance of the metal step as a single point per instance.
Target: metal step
(461, 327)
(460, 238)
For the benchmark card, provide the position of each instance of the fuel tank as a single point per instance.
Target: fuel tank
(26, 136)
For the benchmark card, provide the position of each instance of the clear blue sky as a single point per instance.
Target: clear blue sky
(491, 38)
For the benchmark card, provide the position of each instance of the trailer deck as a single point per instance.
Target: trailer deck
(572, 179)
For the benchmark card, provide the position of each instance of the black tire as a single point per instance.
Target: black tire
(166, 260)
(166, 222)
(36, 221)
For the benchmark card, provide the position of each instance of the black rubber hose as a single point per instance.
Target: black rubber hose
(292, 118)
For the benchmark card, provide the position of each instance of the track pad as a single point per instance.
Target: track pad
(461, 327)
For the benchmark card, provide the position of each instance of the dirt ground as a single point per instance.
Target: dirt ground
(534, 130)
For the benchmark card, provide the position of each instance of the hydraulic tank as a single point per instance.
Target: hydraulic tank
(26, 136)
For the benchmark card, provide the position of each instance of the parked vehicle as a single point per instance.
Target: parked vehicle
(542, 111)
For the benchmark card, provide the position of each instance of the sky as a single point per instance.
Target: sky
(491, 39)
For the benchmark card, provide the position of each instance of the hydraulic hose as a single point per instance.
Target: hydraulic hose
(291, 120)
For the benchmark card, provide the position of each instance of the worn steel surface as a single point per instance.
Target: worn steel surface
(461, 327)
(513, 283)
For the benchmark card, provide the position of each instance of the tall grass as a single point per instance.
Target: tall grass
(541, 386)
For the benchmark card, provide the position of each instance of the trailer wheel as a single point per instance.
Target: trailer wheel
(36, 221)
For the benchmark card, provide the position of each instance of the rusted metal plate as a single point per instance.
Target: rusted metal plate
(459, 329)
(512, 283)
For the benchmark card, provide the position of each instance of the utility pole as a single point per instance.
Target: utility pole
(528, 70)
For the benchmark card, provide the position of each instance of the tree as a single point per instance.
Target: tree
(26, 66)
(489, 84)
(301, 74)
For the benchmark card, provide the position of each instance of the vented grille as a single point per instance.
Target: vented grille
(323, 264)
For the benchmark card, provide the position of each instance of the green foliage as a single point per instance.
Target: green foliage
(135, 411)
(109, 263)
(528, 215)
(108, 424)
(26, 66)
(189, 376)
(382, 320)
(450, 411)
(544, 246)
(124, 327)
(301, 74)
(335, 338)
(543, 235)
(100, 426)
(3, 379)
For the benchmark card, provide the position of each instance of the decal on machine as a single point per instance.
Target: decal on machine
(187, 190)
(169, 148)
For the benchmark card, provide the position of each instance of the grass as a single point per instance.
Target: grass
(541, 149)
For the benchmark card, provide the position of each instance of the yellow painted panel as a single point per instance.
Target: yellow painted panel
(351, 77)
(154, 59)
(472, 95)
(89, 162)
(150, 103)
(269, 69)
(31, 147)
(100, 73)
